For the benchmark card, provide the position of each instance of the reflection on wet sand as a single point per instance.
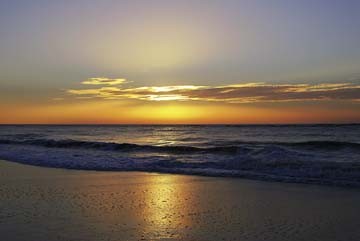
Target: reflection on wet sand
(135, 206)
(166, 209)
(148, 207)
(52, 204)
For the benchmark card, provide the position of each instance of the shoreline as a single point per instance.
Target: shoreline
(58, 204)
(230, 174)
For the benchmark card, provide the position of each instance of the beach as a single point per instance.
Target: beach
(181, 120)
(56, 204)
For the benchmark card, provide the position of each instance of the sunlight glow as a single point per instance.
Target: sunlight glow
(165, 97)
(164, 210)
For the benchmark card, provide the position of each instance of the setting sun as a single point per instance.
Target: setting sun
(179, 120)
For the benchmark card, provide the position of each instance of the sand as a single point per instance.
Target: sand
(43, 204)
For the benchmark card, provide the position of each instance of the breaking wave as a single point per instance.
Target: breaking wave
(320, 162)
(230, 148)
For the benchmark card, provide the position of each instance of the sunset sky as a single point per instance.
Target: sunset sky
(179, 61)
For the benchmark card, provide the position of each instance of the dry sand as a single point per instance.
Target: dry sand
(42, 204)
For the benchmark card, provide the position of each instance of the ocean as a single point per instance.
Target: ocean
(319, 154)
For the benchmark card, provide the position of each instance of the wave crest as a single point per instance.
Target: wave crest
(230, 148)
(306, 162)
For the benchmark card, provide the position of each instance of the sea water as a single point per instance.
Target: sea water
(321, 154)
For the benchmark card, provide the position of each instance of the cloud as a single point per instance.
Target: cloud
(237, 93)
(103, 81)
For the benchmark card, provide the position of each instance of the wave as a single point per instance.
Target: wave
(304, 162)
(229, 148)
(126, 147)
(305, 144)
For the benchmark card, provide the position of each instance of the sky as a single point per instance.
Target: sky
(172, 61)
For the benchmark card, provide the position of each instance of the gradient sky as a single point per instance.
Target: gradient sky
(215, 61)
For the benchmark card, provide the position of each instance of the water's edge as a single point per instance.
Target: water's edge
(89, 161)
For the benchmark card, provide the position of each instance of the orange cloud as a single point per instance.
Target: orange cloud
(237, 93)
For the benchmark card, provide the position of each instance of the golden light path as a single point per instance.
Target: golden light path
(165, 210)
(158, 206)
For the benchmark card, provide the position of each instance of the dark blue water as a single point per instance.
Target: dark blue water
(323, 154)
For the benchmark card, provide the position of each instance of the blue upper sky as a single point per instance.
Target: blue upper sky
(58, 43)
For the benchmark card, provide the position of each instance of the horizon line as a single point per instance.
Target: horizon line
(176, 124)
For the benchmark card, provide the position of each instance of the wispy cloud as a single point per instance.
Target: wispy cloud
(237, 93)
(103, 81)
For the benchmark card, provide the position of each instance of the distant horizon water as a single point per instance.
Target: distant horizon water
(180, 124)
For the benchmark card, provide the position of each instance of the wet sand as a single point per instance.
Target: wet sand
(54, 204)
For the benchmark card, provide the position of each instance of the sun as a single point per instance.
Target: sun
(168, 113)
